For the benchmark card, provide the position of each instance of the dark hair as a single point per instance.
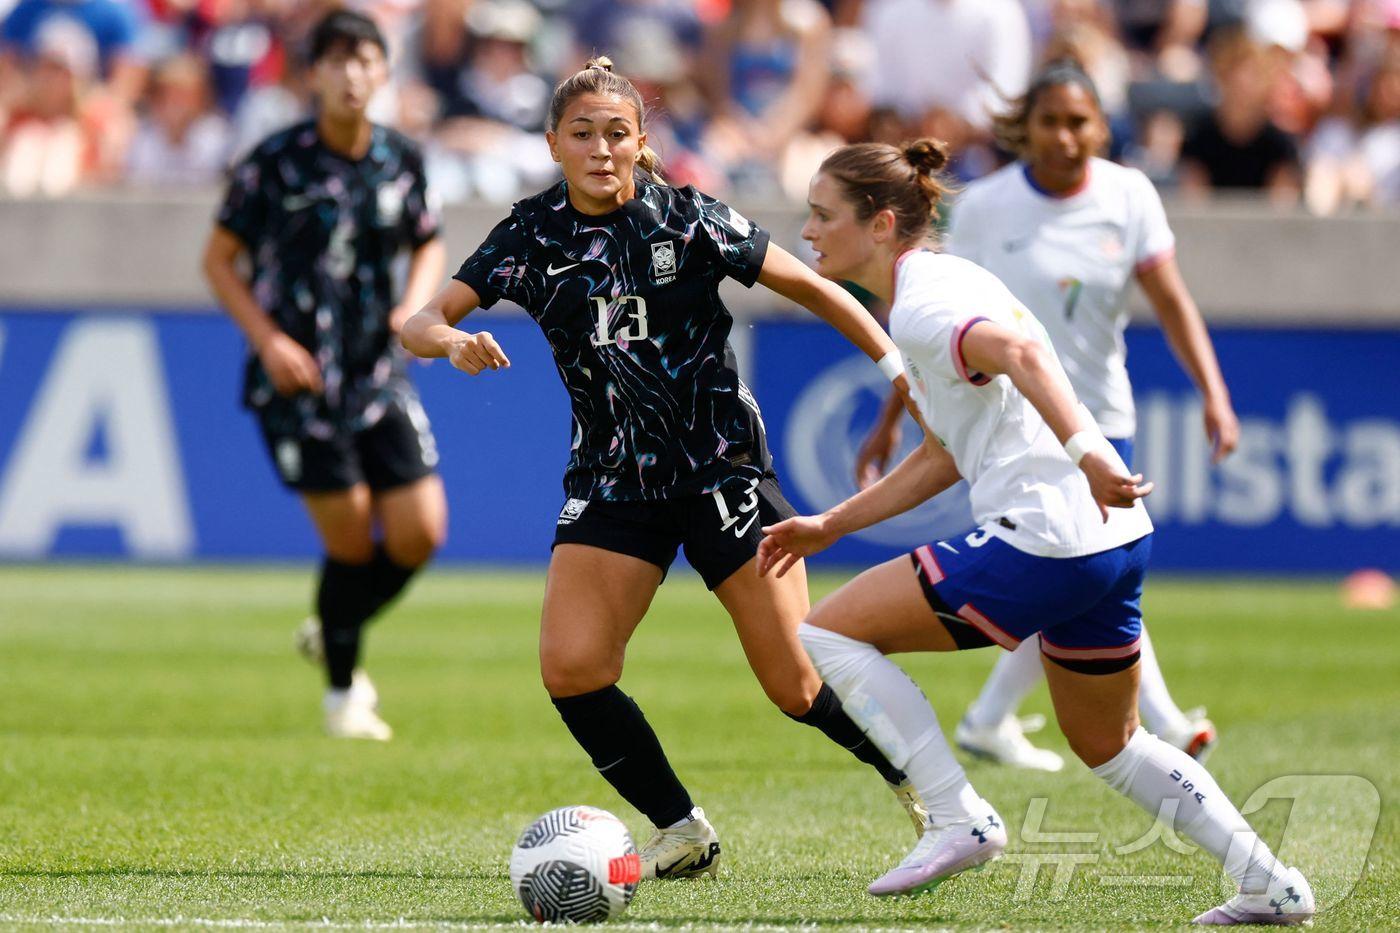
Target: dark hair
(903, 179)
(343, 29)
(1010, 127)
(597, 77)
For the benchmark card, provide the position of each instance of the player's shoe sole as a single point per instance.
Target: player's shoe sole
(1196, 735)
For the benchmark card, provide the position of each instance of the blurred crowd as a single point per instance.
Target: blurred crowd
(1297, 99)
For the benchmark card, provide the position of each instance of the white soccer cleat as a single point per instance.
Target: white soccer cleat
(685, 851)
(309, 641)
(348, 716)
(943, 852)
(1196, 737)
(913, 805)
(1287, 902)
(1006, 744)
(362, 689)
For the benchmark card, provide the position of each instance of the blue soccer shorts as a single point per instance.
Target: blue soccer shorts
(1086, 609)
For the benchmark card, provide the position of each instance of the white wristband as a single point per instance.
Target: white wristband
(1082, 443)
(892, 365)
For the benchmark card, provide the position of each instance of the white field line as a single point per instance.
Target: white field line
(233, 923)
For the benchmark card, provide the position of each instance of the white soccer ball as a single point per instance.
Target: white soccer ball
(575, 865)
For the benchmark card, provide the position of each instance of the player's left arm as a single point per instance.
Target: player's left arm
(788, 276)
(993, 350)
(926, 472)
(425, 267)
(1190, 341)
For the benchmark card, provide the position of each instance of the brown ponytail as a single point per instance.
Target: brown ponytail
(598, 77)
(904, 180)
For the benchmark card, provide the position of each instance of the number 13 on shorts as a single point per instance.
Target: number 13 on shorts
(745, 513)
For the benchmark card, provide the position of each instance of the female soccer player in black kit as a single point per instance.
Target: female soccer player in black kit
(322, 209)
(622, 274)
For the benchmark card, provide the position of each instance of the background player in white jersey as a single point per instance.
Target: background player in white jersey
(622, 272)
(1061, 548)
(1068, 233)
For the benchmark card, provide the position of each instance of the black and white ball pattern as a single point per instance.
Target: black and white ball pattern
(575, 865)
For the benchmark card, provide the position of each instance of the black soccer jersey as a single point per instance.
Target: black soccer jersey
(322, 231)
(629, 302)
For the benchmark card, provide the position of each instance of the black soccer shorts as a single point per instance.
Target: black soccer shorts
(720, 530)
(397, 450)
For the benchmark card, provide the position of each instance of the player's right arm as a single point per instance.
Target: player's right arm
(432, 332)
(287, 363)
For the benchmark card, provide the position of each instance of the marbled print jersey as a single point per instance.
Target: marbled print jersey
(629, 302)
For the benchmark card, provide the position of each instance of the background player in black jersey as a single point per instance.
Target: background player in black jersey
(622, 275)
(323, 209)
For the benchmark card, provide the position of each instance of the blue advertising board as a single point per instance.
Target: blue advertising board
(121, 437)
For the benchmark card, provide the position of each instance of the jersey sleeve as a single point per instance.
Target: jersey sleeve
(738, 245)
(497, 267)
(422, 219)
(1155, 242)
(247, 202)
(933, 340)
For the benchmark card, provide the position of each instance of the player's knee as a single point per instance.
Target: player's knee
(794, 696)
(834, 655)
(1099, 744)
(416, 545)
(568, 672)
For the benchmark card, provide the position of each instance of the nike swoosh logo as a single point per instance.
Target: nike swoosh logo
(663, 871)
(1018, 244)
(740, 532)
(948, 546)
(553, 271)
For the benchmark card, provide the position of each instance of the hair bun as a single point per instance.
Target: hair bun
(602, 63)
(927, 155)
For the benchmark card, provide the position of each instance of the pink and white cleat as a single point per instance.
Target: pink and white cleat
(1287, 902)
(943, 852)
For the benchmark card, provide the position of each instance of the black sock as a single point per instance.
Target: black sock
(344, 600)
(827, 715)
(349, 596)
(387, 578)
(626, 752)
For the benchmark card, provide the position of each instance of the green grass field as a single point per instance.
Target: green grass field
(161, 763)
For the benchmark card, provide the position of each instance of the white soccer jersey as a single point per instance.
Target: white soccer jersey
(1072, 260)
(1010, 458)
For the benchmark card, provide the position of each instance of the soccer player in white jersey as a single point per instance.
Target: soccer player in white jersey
(1060, 549)
(1069, 233)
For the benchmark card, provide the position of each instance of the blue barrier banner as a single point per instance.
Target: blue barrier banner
(121, 437)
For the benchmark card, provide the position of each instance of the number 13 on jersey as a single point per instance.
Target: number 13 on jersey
(636, 329)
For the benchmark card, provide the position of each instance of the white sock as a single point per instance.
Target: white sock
(1150, 772)
(335, 699)
(1013, 676)
(1158, 710)
(688, 818)
(895, 715)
